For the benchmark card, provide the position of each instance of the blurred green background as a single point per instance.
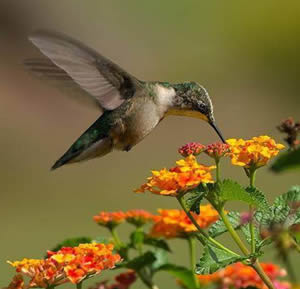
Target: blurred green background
(246, 53)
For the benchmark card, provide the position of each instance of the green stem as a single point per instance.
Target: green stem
(192, 251)
(232, 232)
(217, 170)
(290, 269)
(116, 238)
(256, 266)
(79, 285)
(146, 280)
(201, 231)
(251, 210)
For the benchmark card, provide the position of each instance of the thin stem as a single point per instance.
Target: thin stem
(259, 270)
(146, 281)
(79, 285)
(251, 210)
(116, 238)
(217, 170)
(290, 269)
(232, 232)
(192, 252)
(256, 266)
(201, 231)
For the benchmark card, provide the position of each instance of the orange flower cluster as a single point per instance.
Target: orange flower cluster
(187, 174)
(239, 276)
(175, 223)
(68, 265)
(253, 153)
(217, 150)
(139, 217)
(110, 219)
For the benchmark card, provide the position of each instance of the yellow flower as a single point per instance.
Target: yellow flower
(175, 223)
(253, 153)
(187, 174)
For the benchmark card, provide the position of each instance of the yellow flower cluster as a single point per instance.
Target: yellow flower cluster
(253, 153)
(175, 223)
(187, 174)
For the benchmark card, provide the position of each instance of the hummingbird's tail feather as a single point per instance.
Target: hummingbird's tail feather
(94, 142)
(97, 149)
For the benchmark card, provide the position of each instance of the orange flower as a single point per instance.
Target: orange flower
(253, 153)
(85, 260)
(239, 275)
(110, 219)
(139, 217)
(68, 265)
(188, 174)
(16, 283)
(175, 223)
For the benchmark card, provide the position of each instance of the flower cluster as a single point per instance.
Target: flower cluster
(122, 281)
(217, 150)
(187, 174)
(175, 223)
(291, 128)
(70, 264)
(192, 148)
(112, 219)
(253, 153)
(239, 276)
(139, 217)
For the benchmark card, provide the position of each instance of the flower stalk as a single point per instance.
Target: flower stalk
(192, 253)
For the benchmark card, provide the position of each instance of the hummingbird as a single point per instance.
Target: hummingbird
(129, 108)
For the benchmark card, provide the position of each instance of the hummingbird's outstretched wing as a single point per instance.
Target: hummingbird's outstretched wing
(86, 70)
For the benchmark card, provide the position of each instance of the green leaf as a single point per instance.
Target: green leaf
(230, 190)
(246, 231)
(218, 228)
(183, 274)
(141, 261)
(214, 259)
(287, 161)
(157, 243)
(161, 257)
(137, 238)
(259, 198)
(193, 200)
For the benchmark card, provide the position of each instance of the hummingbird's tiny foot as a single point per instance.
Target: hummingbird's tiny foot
(127, 148)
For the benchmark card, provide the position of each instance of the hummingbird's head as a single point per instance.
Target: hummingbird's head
(193, 100)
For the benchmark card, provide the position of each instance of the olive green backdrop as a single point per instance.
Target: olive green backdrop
(246, 53)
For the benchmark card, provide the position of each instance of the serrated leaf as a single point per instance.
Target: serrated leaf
(290, 198)
(181, 273)
(157, 243)
(193, 200)
(259, 198)
(218, 228)
(230, 190)
(246, 232)
(141, 261)
(214, 259)
(287, 161)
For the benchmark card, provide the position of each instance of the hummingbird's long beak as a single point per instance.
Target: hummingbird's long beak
(214, 126)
